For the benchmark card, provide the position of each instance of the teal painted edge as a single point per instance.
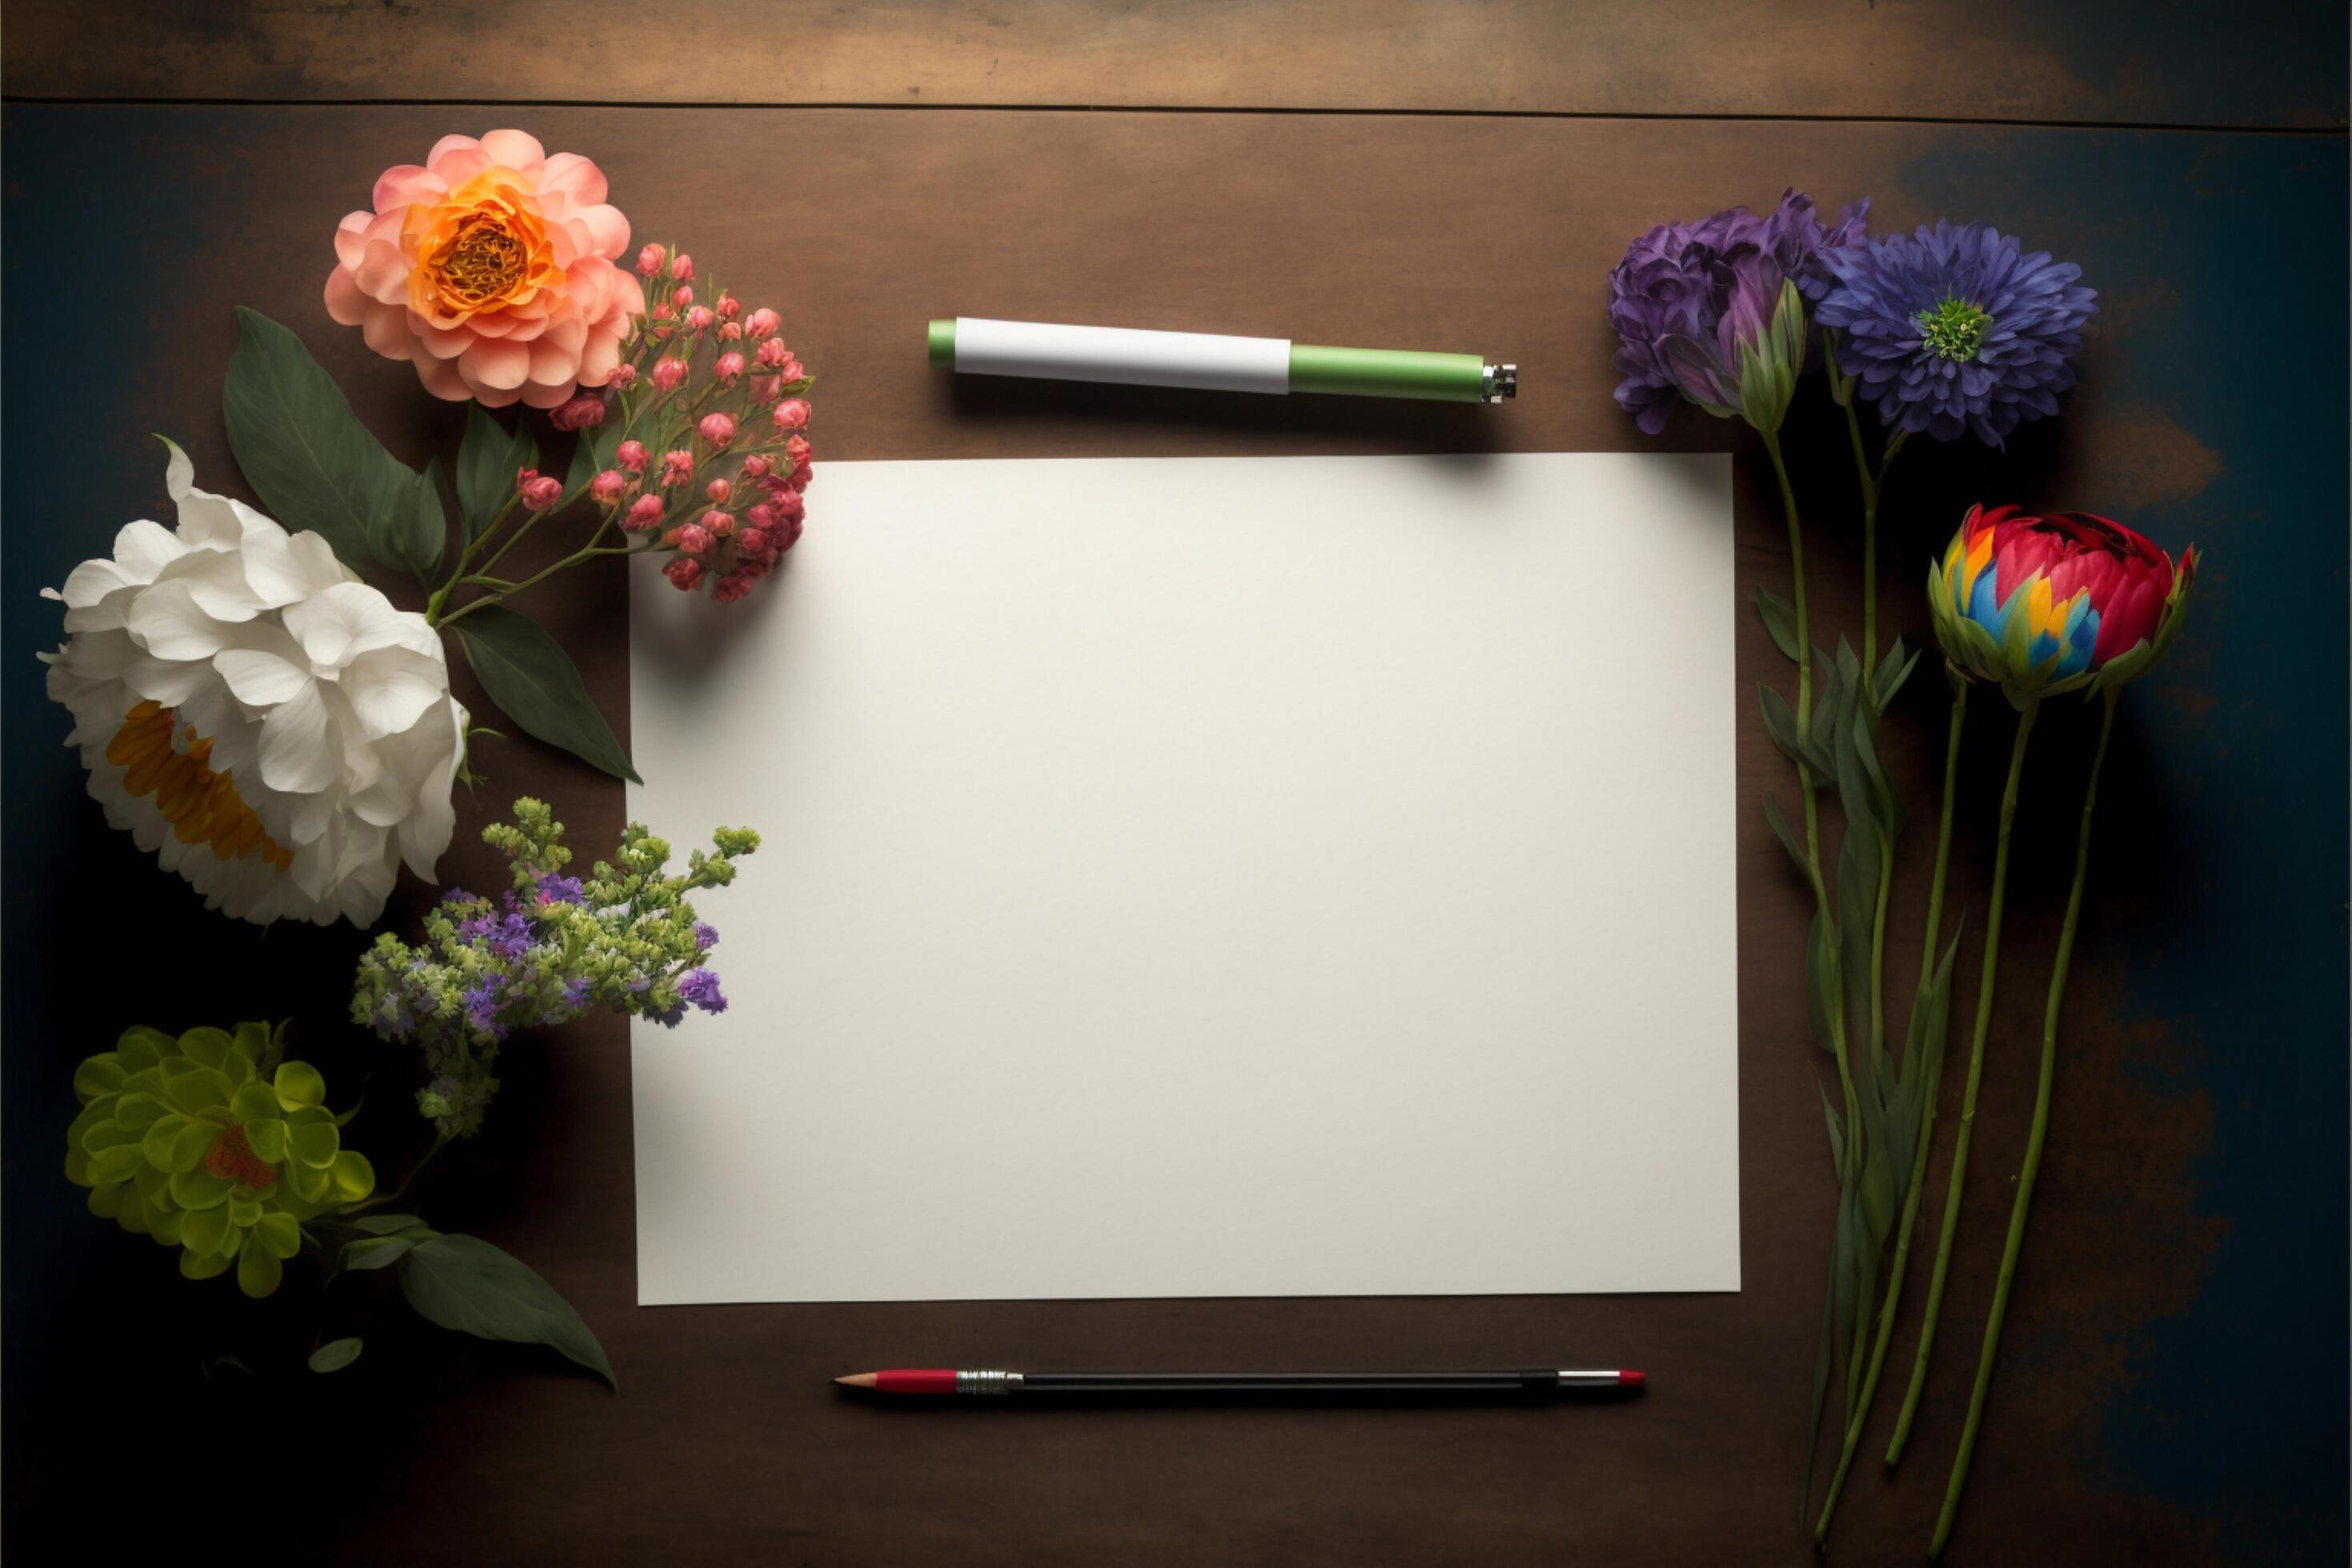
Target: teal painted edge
(1387, 372)
(943, 342)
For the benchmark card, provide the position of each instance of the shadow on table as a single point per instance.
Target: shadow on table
(1373, 422)
(1043, 1404)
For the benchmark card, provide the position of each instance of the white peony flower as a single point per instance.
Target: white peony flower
(279, 734)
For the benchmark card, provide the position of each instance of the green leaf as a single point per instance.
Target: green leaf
(1820, 982)
(1837, 1131)
(300, 447)
(1779, 619)
(488, 460)
(414, 535)
(1893, 671)
(335, 1355)
(383, 1224)
(1788, 839)
(599, 448)
(526, 672)
(1781, 725)
(377, 1250)
(465, 1283)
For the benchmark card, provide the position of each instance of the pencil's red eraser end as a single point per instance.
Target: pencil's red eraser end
(1632, 1379)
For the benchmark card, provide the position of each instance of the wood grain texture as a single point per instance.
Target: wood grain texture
(2102, 61)
(727, 1441)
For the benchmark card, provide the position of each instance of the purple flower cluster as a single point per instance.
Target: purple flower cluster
(1687, 295)
(1957, 328)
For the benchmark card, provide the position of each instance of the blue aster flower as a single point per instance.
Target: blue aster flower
(1953, 329)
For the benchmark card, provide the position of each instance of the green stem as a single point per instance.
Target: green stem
(1912, 1194)
(1835, 984)
(574, 559)
(2035, 1140)
(394, 1197)
(1959, 1177)
(441, 595)
(1805, 774)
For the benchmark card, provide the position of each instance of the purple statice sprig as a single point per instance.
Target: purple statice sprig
(1712, 312)
(1954, 331)
(548, 949)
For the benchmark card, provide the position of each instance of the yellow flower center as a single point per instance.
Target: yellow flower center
(233, 1158)
(202, 805)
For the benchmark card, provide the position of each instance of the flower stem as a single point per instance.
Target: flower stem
(2034, 1140)
(1913, 1192)
(440, 1141)
(1954, 1184)
(1805, 774)
(1826, 912)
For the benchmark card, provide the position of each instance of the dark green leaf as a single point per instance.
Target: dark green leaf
(382, 1224)
(300, 447)
(1893, 671)
(1779, 619)
(378, 1250)
(335, 1355)
(413, 536)
(598, 449)
(1788, 839)
(1829, 699)
(1821, 983)
(1781, 725)
(1841, 1293)
(462, 1282)
(1857, 896)
(1886, 800)
(526, 672)
(488, 457)
(1837, 1131)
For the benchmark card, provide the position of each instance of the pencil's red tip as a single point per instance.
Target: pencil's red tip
(1632, 1379)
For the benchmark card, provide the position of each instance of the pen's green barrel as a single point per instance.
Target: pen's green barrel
(1388, 373)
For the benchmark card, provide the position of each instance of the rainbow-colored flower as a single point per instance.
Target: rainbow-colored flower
(2044, 605)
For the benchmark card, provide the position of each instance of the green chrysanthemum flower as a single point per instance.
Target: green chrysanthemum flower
(211, 1143)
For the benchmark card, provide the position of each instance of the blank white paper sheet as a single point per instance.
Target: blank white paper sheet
(1205, 877)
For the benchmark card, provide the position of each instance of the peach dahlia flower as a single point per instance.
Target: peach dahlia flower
(490, 268)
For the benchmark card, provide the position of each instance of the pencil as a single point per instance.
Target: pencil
(1524, 1381)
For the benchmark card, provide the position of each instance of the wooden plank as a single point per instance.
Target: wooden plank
(2203, 1041)
(2173, 61)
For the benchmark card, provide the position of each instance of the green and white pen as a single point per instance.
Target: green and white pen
(973, 345)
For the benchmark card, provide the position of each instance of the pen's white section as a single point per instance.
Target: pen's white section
(1208, 360)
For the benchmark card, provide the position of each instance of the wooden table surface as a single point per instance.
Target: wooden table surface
(2174, 1376)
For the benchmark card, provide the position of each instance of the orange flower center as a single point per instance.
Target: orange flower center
(482, 262)
(202, 805)
(233, 1159)
(483, 249)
